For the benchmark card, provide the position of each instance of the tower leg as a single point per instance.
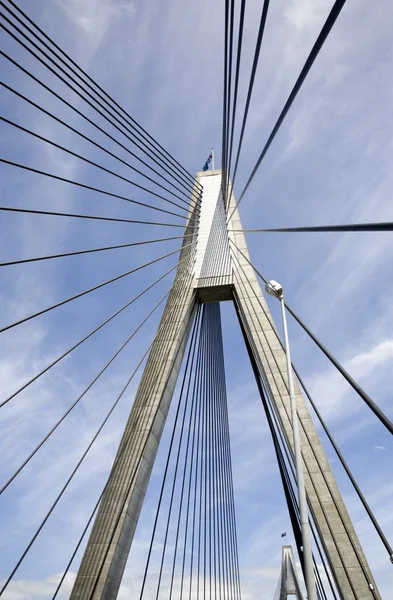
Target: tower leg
(100, 573)
(341, 544)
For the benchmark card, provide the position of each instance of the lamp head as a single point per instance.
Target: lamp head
(273, 288)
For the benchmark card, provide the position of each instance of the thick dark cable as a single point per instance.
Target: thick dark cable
(333, 499)
(90, 140)
(236, 86)
(206, 471)
(296, 513)
(228, 111)
(332, 441)
(216, 508)
(88, 187)
(327, 483)
(107, 282)
(213, 559)
(295, 519)
(92, 250)
(257, 52)
(56, 425)
(347, 469)
(93, 217)
(100, 91)
(208, 515)
(254, 365)
(276, 416)
(385, 226)
(370, 403)
(294, 502)
(219, 480)
(173, 173)
(211, 383)
(330, 21)
(284, 437)
(225, 100)
(90, 162)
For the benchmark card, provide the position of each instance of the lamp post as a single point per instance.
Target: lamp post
(275, 289)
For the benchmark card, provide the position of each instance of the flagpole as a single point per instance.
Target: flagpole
(213, 159)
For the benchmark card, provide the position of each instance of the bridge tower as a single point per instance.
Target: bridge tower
(219, 270)
(288, 582)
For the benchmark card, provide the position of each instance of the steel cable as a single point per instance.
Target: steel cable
(92, 250)
(90, 140)
(290, 496)
(74, 471)
(79, 398)
(324, 476)
(116, 462)
(89, 162)
(86, 337)
(92, 289)
(93, 217)
(190, 357)
(370, 403)
(101, 92)
(174, 174)
(257, 52)
(236, 86)
(324, 426)
(386, 226)
(164, 331)
(163, 327)
(88, 187)
(330, 21)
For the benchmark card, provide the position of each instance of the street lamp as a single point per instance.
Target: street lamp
(275, 289)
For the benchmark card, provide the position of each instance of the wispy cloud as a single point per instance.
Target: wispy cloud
(330, 162)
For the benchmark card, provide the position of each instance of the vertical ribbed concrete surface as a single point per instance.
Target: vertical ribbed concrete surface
(328, 508)
(289, 579)
(100, 574)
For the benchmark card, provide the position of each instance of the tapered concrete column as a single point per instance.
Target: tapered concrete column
(289, 579)
(326, 503)
(100, 574)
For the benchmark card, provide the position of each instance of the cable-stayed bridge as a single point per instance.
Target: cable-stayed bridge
(193, 542)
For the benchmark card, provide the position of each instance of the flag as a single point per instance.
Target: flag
(207, 163)
(284, 534)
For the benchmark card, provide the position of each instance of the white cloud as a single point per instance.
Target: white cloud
(95, 19)
(35, 589)
(329, 388)
(168, 60)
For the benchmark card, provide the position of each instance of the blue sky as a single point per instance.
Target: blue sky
(330, 163)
